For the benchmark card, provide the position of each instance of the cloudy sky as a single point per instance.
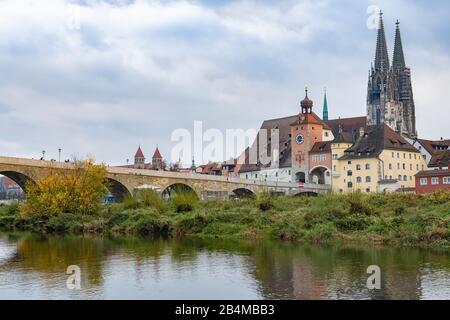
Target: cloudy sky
(101, 77)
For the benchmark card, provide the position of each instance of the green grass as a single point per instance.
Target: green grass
(393, 219)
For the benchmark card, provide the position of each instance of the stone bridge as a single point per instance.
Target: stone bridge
(124, 181)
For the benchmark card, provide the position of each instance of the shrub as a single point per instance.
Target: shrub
(130, 203)
(359, 204)
(150, 198)
(184, 200)
(264, 201)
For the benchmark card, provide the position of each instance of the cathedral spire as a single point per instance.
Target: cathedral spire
(325, 107)
(398, 63)
(381, 55)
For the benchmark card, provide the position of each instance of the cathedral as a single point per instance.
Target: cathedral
(389, 93)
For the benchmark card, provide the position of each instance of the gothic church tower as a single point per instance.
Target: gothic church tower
(389, 91)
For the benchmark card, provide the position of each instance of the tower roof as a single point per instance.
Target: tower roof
(381, 54)
(398, 62)
(306, 103)
(325, 106)
(157, 154)
(139, 153)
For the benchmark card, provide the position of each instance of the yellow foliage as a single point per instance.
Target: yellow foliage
(74, 191)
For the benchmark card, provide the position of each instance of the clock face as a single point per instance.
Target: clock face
(299, 139)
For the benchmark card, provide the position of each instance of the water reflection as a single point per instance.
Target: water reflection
(132, 268)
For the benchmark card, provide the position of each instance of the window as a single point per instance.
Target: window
(415, 156)
(398, 166)
(349, 162)
(326, 133)
(289, 172)
(392, 154)
(399, 178)
(368, 179)
(334, 168)
(404, 155)
(434, 180)
(404, 166)
(446, 180)
(358, 167)
(390, 166)
(410, 156)
(358, 179)
(256, 176)
(349, 173)
(423, 181)
(246, 176)
(405, 178)
(424, 157)
(417, 167)
(398, 155)
(368, 190)
(410, 166)
(315, 158)
(323, 157)
(335, 156)
(367, 166)
(276, 174)
(350, 185)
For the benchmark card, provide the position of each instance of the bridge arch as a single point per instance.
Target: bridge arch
(243, 193)
(169, 190)
(320, 175)
(20, 178)
(117, 189)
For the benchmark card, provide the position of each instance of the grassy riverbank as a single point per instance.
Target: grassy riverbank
(393, 219)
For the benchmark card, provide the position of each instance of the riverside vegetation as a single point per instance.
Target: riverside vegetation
(57, 206)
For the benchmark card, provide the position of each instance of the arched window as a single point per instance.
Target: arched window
(350, 185)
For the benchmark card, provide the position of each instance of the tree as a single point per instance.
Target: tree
(78, 190)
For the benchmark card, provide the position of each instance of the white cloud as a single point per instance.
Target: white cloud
(106, 77)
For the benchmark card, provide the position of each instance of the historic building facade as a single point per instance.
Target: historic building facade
(389, 92)
(380, 160)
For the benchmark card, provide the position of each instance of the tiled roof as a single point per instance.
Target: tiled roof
(440, 159)
(321, 147)
(434, 145)
(345, 137)
(311, 118)
(350, 125)
(157, 154)
(139, 153)
(377, 138)
(433, 173)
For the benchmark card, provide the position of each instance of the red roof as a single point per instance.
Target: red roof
(139, 153)
(157, 154)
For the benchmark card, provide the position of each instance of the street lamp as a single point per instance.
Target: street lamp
(59, 154)
(43, 154)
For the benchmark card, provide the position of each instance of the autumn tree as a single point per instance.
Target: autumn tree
(77, 190)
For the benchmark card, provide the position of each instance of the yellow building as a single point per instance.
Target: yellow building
(380, 160)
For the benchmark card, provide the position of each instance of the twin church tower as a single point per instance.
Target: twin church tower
(389, 92)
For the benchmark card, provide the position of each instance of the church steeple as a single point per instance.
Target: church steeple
(398, 63)
(381, 55)
(325, 107)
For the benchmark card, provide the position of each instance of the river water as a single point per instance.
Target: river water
(34, 267)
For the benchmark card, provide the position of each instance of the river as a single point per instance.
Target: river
(34, 267)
